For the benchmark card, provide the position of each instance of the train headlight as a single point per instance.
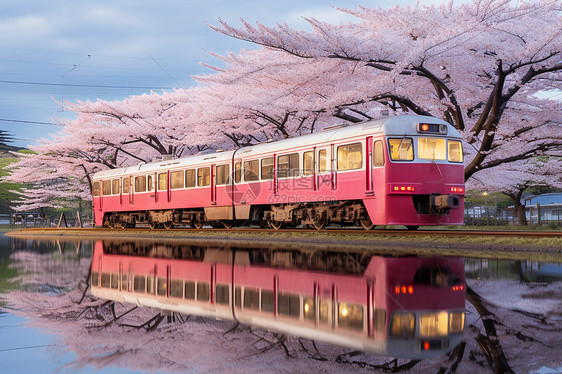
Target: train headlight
(456, 322)
(434, 324)
(402, 324)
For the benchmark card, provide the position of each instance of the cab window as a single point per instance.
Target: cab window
(431, 148)
(455, 151)
(401, 149)
(106, 188)
(96, 188)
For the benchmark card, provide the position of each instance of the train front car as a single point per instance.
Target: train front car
(419, 181)
(419, 305)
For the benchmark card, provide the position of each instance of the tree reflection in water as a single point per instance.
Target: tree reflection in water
(103, 333)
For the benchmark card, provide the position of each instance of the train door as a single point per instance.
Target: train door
(213, 185)
(368, 166)
(131, 191)
(333, 166)
(100, 205)
(322, 171)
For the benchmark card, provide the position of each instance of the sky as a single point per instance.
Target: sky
(57, 50)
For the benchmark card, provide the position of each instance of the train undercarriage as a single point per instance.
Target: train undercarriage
(316, 216)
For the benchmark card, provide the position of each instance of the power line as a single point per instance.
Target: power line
(30, 122)
(86, 85)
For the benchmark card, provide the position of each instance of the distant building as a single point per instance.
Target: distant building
(543, 209)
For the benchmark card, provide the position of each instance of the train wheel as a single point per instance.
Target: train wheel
(412, 227)
(228, 224)
(168, 225)
(366, 223)
(196, 224)
(319, 223)
(276, 225)
(152, 225)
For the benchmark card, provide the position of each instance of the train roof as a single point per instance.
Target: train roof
(389, 126)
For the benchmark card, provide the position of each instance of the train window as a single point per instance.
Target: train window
(176, 288)
(222, 294)
(324, 311)
(251, 298)
(124, 282)
(150, 180)
(431, 148)
(378, 154)
(150, 284)
(106, 188)
(126, 185)
(237, 172)
(289, 305)
(267, 301)
(238, 297)
(267, 168)
(96, 189)
(402, 324)
(309, 312)
(434, 324)
(190, 178)
(308, 163)
(223, 174)
(350, 316)
(139, 283)
(456, 322)
(189, 291)
(401, 149)
(203, 293)
(350, 156)
(176, 180)
(161, 286)
(95, 278)
(288, 165)
(163, 181)
(115, 281)
(455, 151)
(105, 280)
(203, 177)
(322, 160)
(251, 170)
(115, 186)
(140, 184)
(379, 320)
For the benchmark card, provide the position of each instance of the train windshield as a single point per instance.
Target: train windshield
(401, 149)
(432, 148)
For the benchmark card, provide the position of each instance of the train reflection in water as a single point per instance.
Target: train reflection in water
(405, 307)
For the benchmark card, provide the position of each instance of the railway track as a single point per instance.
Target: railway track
(345, 231)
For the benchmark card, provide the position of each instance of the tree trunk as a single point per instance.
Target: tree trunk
(519, 208)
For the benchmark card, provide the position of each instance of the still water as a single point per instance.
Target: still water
(125, 306)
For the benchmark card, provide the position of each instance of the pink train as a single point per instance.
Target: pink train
(404, 170)
(405, 307)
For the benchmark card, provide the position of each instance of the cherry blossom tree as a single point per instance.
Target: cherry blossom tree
(513, 179)
(470, 64)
